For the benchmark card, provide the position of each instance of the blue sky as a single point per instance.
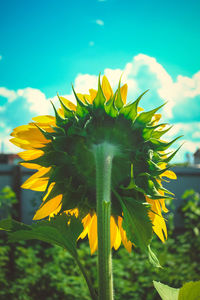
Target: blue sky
(47, 45)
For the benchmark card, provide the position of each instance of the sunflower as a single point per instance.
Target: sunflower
(59, 148)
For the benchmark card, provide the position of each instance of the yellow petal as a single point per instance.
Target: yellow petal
(162, 203)
(31, 181)
(68, 103)
(31, 166)
(25, 144)
(113, 231)
(45, 120)
(84, 98)
(157, 219)
(93, 94)
(49, 191)
(55, 211)
(118, 239)
(139, 109)
(127, 244)
(156, 119)
(107, 90)
(170, 174)
(61, 112)
(48, 208)
(124, 91)
(86, 225)
(36, 185)
(92, 234)
(30, 154)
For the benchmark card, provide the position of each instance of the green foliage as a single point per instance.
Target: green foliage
(34, 270)
(7, 199)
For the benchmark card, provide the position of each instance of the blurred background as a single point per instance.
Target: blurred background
(45, 46)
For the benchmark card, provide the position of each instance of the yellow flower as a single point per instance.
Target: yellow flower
(59, 148)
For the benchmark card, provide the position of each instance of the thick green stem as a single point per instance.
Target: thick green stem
(87, 279)
(103, 157)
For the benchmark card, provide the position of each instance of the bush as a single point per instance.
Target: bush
(35, 270)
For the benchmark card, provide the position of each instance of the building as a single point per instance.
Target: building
(197, 157)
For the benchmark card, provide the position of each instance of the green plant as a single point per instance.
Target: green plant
(7, 200)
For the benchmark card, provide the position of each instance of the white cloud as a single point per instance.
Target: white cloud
(84, 82)
(9, 94)
(196, 134)
(147, 69)
(36, 99)
(99, 22)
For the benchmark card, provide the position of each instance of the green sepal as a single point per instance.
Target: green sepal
(136, 222)
(161, 188)
(145, 117)
(130, 111)
(47, 135)
(161, 146)
(60, 143)
(169, 158)
(51, 158)
(118, 100)
(67, 112)
(158, 133)
(100, 98)
(146, 183)
(59, 120)
(148, 131)
(110, 108)
(81, 108)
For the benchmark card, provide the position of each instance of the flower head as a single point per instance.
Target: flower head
(60, 149)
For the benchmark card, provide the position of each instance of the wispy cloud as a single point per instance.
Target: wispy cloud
(91, 43)
(99, 22)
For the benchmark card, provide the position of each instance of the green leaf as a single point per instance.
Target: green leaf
(61, 230)
(136, 222)
(190, 291)
(166, 292)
